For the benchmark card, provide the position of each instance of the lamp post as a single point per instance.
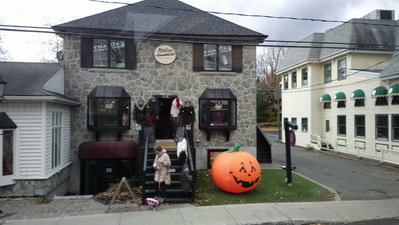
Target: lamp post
(3, 84)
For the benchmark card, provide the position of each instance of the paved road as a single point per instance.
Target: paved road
(351, 178)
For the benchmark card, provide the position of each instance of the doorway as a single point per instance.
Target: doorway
(165, 126)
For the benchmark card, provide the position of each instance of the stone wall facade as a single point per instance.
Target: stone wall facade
(46, 187)
(152, 78)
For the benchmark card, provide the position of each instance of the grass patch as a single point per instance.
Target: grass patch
(272, 188)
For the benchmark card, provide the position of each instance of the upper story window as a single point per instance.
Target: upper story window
(293, 79)
(304, 76)
(304, 124)
(327, 73)
(381, 127)
(215, 57)
(360, 126)
(341, 64)
(341, 122)
(108, 53)
(286, 81)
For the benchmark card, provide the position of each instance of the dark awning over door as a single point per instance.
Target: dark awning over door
(6, 122)
(109, 92)
(217, 94)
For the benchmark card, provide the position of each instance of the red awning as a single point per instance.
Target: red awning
(108, 150)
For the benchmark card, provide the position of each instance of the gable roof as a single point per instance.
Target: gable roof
(27, 79)
(160, 17)
(359, 34)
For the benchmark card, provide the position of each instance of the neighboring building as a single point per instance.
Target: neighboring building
(342, 88)
(162, 50)
(35, 122)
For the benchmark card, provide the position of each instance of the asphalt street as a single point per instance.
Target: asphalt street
(351, 178)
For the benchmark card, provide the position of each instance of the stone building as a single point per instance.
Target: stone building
(163, 50)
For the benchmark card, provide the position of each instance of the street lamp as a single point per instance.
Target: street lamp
(3, 84)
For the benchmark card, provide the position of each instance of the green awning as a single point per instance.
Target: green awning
(325, 98)
(340, 96)
(394, 90)
(358, 94)
(378, 92)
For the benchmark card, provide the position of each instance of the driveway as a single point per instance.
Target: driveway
(351, 178)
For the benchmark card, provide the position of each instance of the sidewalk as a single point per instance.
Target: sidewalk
(265, 213)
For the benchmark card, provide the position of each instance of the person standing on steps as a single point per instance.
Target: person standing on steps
(161, 166)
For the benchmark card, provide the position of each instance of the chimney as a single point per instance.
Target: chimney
(380, 14)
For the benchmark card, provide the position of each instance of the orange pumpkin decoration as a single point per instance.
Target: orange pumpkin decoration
(236, 171)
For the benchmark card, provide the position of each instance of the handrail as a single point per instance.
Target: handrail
(264, 145)
(190, 166)
(144, 172)
(264, 135)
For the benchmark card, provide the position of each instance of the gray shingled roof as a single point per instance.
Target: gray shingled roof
(27, 79)
(355, 34)
(159, 17)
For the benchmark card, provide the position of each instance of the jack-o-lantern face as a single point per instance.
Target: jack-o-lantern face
(236, 172)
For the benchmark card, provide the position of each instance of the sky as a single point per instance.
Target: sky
(30, 47)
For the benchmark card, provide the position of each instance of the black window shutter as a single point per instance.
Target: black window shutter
(198, 57)
(130, 50)
(86, 52)
(237, 58)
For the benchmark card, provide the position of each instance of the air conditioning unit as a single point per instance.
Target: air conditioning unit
(380, 14)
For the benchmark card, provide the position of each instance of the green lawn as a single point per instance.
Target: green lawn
(272, 188)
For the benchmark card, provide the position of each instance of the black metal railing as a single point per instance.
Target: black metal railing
(191, 166)
(144, 171)
(264, 146)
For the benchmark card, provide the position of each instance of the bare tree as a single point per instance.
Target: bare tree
(267, 62)
(52, 46)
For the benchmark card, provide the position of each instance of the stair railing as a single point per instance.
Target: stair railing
(191, 166)
(264, 144)
(144, 171)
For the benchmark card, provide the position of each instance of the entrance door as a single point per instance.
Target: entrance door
(165, 126)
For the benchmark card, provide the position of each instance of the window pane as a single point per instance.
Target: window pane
(341, 125)
(360, 123)
(382, 127)
(108, 112)
(359, 102)
(8, 152)
(395, 127)
(210, 57)
(304, 76)
(305, 124)
(225, 57)
(117, 54)
(342, 69)
(327, 73)
(293, 77)
(285, 81)
(203, 111)
(100, 53)
(219, 109)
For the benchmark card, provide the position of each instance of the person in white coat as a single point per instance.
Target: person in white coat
(161, 165)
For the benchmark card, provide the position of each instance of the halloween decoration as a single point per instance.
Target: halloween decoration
(236, 171)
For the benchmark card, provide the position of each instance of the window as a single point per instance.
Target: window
(286, 81)
(108, 53)
(56, 130)
(395, 127)
(359, 102)
(304, 124)
(293, 79)
(360, 126)
(214, 57)
(381, 123)
(304, 76)
(327, 73)
(395, 100)
(327, 125)
(8, 152)
(341, 125)
(293, 120)
(381, 101)
(341, 104)
(341, 69)
(327, 105)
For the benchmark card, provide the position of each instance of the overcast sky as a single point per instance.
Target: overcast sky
(23, 46)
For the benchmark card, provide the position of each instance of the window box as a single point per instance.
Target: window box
(217, 111)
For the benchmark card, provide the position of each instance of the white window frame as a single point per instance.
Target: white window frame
(8, 179)
(56, 139)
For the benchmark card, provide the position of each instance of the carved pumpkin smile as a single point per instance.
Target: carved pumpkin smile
(244, 183)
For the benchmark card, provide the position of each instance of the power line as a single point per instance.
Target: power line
(339, 45)
(246, 15)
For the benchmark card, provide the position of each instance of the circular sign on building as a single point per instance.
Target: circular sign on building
(165, 54)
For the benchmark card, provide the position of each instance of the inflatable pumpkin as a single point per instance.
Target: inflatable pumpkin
(236, 171)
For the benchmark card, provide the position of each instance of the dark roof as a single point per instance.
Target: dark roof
(159, 17)
(217, 94)
(27, 78)
(109, 92)
(359, 34)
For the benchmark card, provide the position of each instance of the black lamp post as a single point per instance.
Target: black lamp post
(3, 85)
